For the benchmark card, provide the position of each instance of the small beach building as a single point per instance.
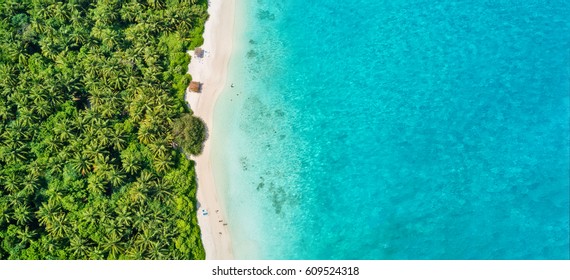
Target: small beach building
(198, 52)
(195, 86)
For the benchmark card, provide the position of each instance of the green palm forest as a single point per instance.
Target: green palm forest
(94, 130)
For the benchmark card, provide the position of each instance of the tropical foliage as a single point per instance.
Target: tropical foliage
(89, 162)
(190, 133)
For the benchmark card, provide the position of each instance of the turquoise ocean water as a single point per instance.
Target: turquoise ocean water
(372, 129)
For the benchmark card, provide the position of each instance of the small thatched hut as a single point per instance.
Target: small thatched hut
(195, 86)
(198, 52)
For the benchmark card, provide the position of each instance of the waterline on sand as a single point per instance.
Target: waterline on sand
(211, 71)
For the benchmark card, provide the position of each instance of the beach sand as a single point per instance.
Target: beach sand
(211, 71)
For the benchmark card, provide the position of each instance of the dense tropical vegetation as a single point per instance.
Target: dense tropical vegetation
(91, 125)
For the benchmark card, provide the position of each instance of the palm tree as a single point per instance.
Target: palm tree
(123, 217)
(15, 135)
(135, 253)
(146, 134)
(4, 210)
(136, 109)
(144, 240)
(115, 177)
(117, 81)
(184, 24)
(63, 130)
(136, 193)
(7, 75)
(78, 37)
(79, 247)
(88, 216)
(129, 11)
(100, 158)
(12, 183)
(130, 163)
(58, 12)
(65, 154)
(117, 139)
(30, 184)
(156, 4)
(19, 132)
(151, 72)
(27, 116)
(156, 214)
(22, 214)
(162, 164)
(95, 185)
(55, 165)
(106, 110)
(112, 244)
(25, 235)
(96, 253)
(159, 149)
(81, 163)
(5, 111)
(96, 98)
(163, 191)
(51, 145)
(48, 246)
(141, 219)
(102, 138)
(47, 213)
(13, 50)
(59, 226)
(104, 212)
(49, 49)
(116, 102)
(158, 251)
(146, 178)
(43, 108)
(37, 25)
(169, 231)
(35, 169)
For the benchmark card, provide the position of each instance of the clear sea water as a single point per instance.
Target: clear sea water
(372, 129)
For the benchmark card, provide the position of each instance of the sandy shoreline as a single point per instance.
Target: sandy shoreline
(211, 70)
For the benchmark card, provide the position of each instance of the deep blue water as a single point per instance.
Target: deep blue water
(371, 129)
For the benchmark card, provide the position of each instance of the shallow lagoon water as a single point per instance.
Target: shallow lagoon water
(397, 130)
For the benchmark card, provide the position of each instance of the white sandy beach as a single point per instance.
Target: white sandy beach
(211, 71)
